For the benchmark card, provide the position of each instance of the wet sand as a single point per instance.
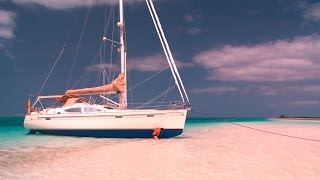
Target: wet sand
(219, 151)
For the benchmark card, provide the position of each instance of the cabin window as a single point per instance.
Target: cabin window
(91, 109)
(73, 110)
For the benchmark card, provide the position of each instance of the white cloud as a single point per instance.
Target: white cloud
(304, 89)
(267, 90)
(305, 103)
(101, 67)
(308, 88)
(312, 12)
(277, 89)
(7, 18)
(191, 20)
(153, 63)
(192, 17)
(281, 60)
(6, 32)
(7, 24)
(273, 90)
(193, 30)
(67, 4)
(214, 90)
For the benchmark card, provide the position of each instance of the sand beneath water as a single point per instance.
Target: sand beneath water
(217, 151)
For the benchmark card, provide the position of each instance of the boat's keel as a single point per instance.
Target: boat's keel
(136, 133)
(32, 131)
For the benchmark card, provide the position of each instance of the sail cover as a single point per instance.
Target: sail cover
(116, 85)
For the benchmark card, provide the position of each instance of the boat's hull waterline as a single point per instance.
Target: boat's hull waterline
(124, 124)
(111, 133)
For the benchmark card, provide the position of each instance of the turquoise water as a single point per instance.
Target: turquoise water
(13, 134)
(192, 122)
(11, 130)
(209, 148)
(11, 126)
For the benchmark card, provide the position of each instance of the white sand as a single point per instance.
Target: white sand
(213, 152)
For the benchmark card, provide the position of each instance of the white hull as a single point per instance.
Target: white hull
(81, 117)
(120, 122)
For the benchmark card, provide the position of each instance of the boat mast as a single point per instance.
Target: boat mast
(123, 96)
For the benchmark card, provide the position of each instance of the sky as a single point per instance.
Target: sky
(249, 58)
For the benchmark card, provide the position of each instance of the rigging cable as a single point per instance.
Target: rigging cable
(113, 67)
(163, 39)
(103, 46)
(261, 130)
(92, 66)
(148, 78)
(157, 97)
(61, 52)
(91, 69)
(111, 48)
(130, 86)
(75, 56)
(164, 97)
(164, 46)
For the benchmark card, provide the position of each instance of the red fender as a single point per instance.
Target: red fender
(156, 133)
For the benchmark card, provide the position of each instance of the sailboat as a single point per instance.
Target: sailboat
(78, 116)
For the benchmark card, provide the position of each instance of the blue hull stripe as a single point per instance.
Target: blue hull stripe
(136, 133)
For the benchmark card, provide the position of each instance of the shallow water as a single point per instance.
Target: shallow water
(208, 149)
